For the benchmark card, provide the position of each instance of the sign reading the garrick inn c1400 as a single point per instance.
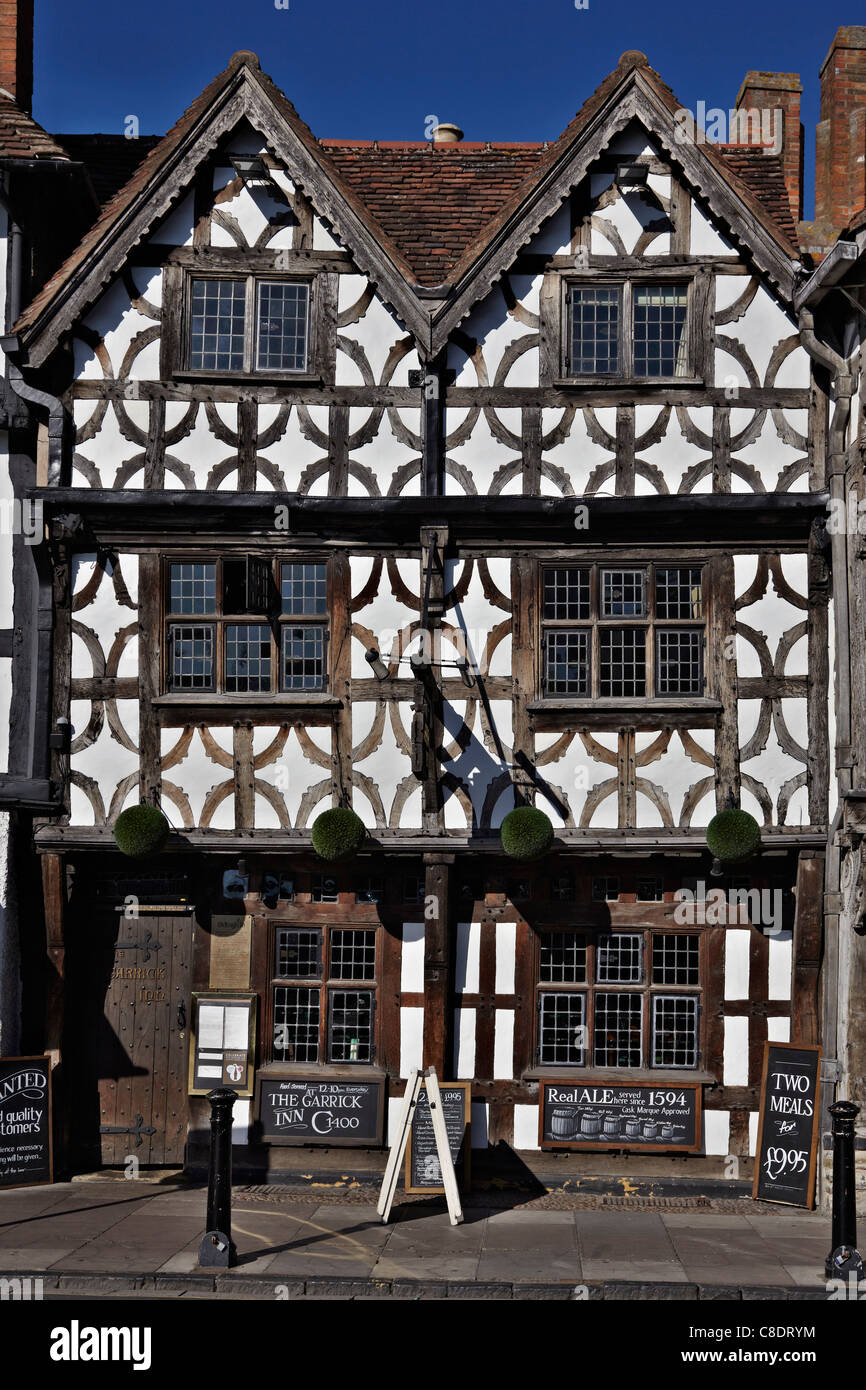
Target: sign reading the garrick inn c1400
(25, 1121)
(336, 1110)
(576, 1114)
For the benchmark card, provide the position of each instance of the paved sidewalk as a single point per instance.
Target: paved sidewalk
(136, 1237)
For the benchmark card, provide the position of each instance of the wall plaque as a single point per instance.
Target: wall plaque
(330, 1110)
(222, 1046)
(608, 1115)
(25, 1121)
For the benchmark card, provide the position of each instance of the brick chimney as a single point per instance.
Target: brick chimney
(780, 91)
(840, 179)
(16, 50)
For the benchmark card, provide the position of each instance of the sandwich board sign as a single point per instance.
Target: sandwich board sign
(788, 1127)
(429, 1081)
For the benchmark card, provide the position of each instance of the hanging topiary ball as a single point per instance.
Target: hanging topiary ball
(140, 831)
(338, 833)
(732, 836)
(526, 833)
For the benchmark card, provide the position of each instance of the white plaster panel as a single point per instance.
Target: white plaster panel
(468, 960)
(382, 456)
(577, 455)
(717, 1132)
(735, 1056)
(675, 772)
(506, 956)
(387, 766)
(705, 240)
(108, 450)
(754, 1116)
(412, 958)
(475, 766)
(293, 774)
(479, 1111)
(780, 961)
(411, 1040)
(482, 455)
(503, 1045)
(241, 1121)
(292, 453)
(769, 455)
(464, 1045)
(628, 215)
(176, 228)
(323, 238)
(197, 775)
(376, 333)
(526, 1127)
(575, 773)
(760, 329)
(737, 964)
(778, 1029)
(554, 237)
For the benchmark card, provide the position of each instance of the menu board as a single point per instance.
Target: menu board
(788, 1126)
(25, 1121)
(578, 1114)
(222, 1047)
(336, 1110)
(423, 1170)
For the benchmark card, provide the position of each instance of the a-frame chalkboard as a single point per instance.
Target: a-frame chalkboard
(787, 1151)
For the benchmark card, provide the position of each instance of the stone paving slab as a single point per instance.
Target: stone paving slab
(87, 1235)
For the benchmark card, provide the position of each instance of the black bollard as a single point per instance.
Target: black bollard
(217, 1249)
(844, 1257)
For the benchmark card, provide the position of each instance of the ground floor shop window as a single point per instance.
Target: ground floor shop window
(324, 994)
(620, 999)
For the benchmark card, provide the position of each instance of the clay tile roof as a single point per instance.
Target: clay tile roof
(433, 201)
(109, 159)
(22, 138)
(763, 174)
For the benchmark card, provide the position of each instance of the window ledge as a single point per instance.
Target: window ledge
(364, 1071)
(649, 706)
(251, 378)
(600, 1075)
(637, 383)
(285, 697)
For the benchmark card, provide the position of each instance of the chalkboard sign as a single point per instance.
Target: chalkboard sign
(423, 1171)
(788, 1128)
(25, 1121)
(223, 1044)
(578, 1114)
(335, 1110)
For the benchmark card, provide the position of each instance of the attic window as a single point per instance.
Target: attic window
(248, 325)
(628, 330)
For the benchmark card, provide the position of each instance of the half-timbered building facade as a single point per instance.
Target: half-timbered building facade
(433, 480)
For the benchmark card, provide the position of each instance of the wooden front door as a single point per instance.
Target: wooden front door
(129, 984)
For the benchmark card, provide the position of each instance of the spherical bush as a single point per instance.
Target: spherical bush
(140, 831)
(733, 835)
(338, 833)
(526, 833)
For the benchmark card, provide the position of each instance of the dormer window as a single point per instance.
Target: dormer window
(627, 330)
(248, 325)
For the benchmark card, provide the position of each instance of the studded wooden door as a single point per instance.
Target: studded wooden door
(129, 981)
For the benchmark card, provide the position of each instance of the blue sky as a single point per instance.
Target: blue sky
(506, 71)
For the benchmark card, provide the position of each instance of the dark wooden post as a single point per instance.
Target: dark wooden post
(438, 956)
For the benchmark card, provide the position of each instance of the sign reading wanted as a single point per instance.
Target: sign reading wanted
(25, 1121)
